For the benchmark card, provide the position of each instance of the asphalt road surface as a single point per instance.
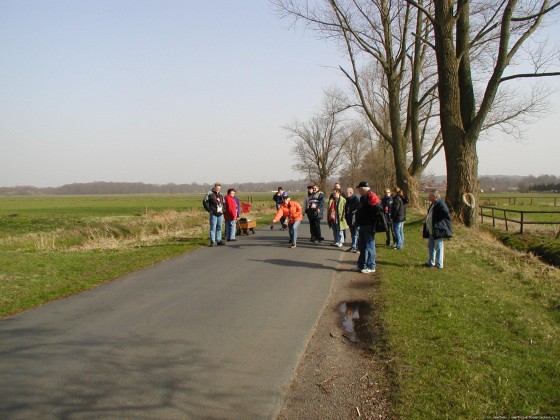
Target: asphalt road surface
(216, 333)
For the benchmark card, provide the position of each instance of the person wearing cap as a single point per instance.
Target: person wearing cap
(314, 211)
(366, 214)
(305, 206)
(292, 212)
(278, 199)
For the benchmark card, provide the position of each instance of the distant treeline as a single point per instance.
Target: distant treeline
(526, 184)
(95, 188)
(543, 183)
(497, 183)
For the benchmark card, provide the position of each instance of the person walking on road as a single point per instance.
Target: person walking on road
(366, 215)
(214, 204)
(231, 214)
(436, 228)
(291, 212)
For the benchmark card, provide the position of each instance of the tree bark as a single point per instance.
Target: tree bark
(462, 177)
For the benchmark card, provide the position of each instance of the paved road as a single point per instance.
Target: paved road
(215, 333)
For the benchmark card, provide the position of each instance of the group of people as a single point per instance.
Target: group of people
(220, 209)
(363, 214)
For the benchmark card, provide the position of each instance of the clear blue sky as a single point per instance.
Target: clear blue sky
(179, 91)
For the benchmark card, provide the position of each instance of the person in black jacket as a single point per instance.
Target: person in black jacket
(387, 204)
(352, 203)
(214, 204)
(314, 211)
(436, 228)
(398, 216)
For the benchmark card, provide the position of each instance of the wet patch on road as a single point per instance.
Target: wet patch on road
(354, 321)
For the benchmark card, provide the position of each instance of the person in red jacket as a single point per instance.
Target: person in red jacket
(293, 214)
(368, 209)
(231, 214)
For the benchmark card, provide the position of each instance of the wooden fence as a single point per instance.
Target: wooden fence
(519, 200)
(497, 213)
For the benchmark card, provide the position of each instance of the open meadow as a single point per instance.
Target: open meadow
(55, 246)
(478, 339)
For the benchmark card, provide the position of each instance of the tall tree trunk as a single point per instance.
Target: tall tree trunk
(462, 178)
(460, 147)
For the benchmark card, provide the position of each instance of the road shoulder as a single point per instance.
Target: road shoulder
(342, 373)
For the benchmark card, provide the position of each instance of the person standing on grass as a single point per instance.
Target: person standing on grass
(436, 228)
(231, 214)
(387, 204)
(352, 203)
(214, 204)
(335, 216)
(292, 213)
(367, 212)
(398, 217)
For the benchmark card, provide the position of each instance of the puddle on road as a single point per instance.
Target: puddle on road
(354, 321)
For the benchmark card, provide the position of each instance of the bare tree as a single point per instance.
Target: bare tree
(320, 142)
(468, 37)
(354, 151)
(392, 73)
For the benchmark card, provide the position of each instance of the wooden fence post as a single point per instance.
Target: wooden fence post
(505, 218)
(521, 231)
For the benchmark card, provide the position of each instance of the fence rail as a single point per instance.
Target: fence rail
(497, 212)
(520, 199)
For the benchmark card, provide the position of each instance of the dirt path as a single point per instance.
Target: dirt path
(342, 376)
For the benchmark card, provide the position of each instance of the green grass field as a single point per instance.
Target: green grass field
(478, 339)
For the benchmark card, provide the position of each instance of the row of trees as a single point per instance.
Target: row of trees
(141, 188)
(425, 75)
(543, 183)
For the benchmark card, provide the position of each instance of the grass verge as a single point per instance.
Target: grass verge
(478, 339)
(545, 247)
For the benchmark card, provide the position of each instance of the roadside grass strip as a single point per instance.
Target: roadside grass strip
(477, 339)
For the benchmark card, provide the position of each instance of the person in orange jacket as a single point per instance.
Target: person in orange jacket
(293, 213)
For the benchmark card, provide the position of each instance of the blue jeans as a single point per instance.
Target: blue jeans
(292, 230)
(216, 227)
(366, 246)
(435, 252)
(338, 234)
(398, 231)
(230, 229)
(354, 233)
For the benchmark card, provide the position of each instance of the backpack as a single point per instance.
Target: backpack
(205, 202)
(380, 219)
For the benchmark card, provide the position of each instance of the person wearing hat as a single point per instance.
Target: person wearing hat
(365, 218)
(292, 212)
(306, 206)
(314, 211)
(278, 200)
